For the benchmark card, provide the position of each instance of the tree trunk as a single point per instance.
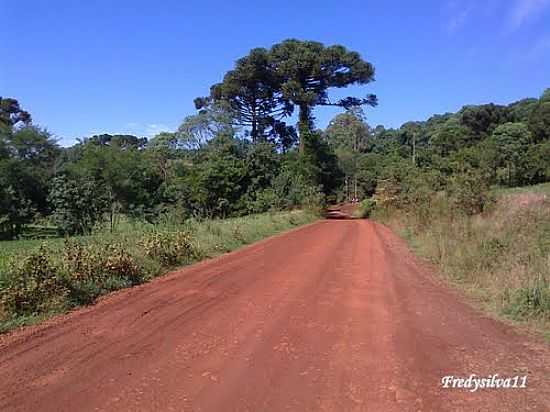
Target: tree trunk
(254, 131)
(347, 188)
(304, 124)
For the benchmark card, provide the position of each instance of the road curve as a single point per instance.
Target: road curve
(334, 316)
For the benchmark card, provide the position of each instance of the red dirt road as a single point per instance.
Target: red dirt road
(334, 316)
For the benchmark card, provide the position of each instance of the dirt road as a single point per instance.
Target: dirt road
(334, 316)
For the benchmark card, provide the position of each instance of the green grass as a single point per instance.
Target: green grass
(543, 188)
(39, 278)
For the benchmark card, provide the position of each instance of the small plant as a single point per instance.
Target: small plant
(533, 300)
(81, 263)
(238, 234)
(120, 264)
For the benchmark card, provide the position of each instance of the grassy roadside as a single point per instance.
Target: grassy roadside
(41, 278)
(500, 259)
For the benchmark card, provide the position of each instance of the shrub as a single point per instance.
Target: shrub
(238, 234)
(265, 200)
(77, 204)
(365, 208)
(97, 262)
(169, 248)
(33, 285)
(96, 269)
(469, 193)
(119, 263)
(76, 272)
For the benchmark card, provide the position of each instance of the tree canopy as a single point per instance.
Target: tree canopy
(240, 153)
(267, 85)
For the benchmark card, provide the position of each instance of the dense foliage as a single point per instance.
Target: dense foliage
(237, 155)
(477, 147)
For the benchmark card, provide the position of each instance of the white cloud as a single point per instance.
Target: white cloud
(524, 10)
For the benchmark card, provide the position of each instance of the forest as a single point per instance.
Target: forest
(241, 153)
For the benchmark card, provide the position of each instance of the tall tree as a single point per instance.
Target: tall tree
(306, 70)
(197, 130)
(483, 119)
(16, 207)
(124, 141)
(348, 130)
(511, 140)
(123, 175)
(449, 137)
(539, 120)
(251, 92)
(410, 135)
(348, 135)
(32, 152)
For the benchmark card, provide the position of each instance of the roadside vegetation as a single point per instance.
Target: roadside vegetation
(41, 278)
(499, 254)
(128, 206)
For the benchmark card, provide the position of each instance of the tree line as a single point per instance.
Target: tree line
(240, 153)
(487, 145)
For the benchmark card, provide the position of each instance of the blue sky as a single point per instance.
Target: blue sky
(83, 67)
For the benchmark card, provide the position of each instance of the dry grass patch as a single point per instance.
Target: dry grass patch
(501, 258)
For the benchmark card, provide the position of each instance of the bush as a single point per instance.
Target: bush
(44, 282)
(169, 248)
(77, 204)
(469, 193)
(96, 269)
(76, 272)
(33, 285)
(265, 200)
(365, 208)
(97, 262)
